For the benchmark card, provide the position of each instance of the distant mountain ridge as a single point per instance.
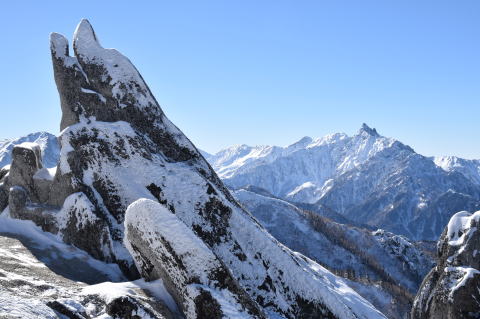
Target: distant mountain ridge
(367, 178)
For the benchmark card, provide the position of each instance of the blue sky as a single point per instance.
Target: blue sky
(268, 72)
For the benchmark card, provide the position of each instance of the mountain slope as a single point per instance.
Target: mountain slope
(378, 263)
(366, 178)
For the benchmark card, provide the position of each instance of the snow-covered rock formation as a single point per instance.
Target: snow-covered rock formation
(452, 289)
(366, 178)
(117, 147)
(164, 247)
(41, 277)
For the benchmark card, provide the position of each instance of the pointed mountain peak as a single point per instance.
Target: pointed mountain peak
(367, 129)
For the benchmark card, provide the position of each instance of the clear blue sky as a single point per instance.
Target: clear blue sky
(268, 72)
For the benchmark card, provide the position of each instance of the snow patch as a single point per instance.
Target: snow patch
(458, 227)
(46, 173)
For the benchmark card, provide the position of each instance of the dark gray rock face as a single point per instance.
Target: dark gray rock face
(3, 197)
(451, 289)
(26, 161)
(91, 85)
(17, 200)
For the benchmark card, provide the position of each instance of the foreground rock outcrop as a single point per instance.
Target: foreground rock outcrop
(41, 277)
(118, 147)
(452, 289)
(164, 247)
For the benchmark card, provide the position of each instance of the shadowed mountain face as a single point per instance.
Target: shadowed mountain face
(384, 268)
(367, 179)
(119, 151)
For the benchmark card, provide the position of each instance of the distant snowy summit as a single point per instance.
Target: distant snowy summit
(366, 178)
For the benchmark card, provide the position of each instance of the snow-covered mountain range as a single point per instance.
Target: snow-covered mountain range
(366, 178)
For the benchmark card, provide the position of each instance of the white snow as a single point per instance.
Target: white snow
(46, 173)
(111, 290)
(459, 277)
(88, 91)
(300, 172)
(458, 228)
(45, 240)
(150, 216)
(118, 67)
(13, 306)
(469, 168)
(29, 145)
(47, 142)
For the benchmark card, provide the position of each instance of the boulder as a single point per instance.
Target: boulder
(451, 289)
(4, 172)
(26, 161)
(17, 200)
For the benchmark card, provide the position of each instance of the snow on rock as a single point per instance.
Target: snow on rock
(45, 173)
(459, 228)
(41, 278)
(451, 289)
(163, 246)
